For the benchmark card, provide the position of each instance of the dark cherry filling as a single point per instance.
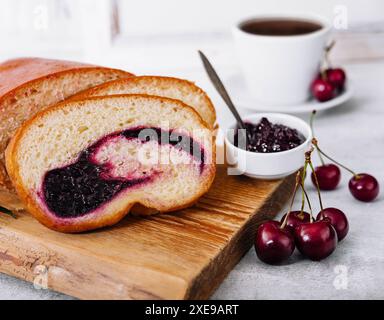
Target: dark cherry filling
(266, 137)
(82, 186)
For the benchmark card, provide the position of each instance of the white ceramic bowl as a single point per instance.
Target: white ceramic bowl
(268, 165)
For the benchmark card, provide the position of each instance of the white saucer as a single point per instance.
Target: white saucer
(243, 99)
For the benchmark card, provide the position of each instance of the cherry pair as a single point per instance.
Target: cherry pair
(330, 81)
(328, 84)
(363, 186)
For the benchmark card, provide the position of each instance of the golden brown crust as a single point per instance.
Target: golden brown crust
(102, 220)
(17, 73)
(100, 88)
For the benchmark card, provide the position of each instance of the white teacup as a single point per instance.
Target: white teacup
(279, 69)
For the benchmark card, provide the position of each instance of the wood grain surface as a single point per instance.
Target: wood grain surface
(183, 255)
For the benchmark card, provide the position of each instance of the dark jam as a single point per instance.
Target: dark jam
(82, 186)
(266, 137)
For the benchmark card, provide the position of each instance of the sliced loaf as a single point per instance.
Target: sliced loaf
(28, 85)
(82, 165)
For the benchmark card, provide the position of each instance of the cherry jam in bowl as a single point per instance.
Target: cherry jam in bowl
(272, 147)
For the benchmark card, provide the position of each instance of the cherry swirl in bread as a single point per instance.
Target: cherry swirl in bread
(97, 176)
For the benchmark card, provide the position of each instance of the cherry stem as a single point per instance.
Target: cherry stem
(323, 74)
(308, 201)
(327, 50)
(292, 200)
(308, 159)
(314, 142)
(313, 135)
(330, 46)
(302, 191)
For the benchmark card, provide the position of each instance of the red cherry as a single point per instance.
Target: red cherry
(295, 218)
(364, 187)
(338, 220)
(322, 90)
(336, 77)
(328, 176)
(316, 240)
(273, 244)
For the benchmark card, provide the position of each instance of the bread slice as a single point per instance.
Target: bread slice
(168, 87)
(82, 165)
(28, 85)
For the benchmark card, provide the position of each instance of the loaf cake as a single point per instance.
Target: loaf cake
(28, 85)
(168, 87)
(83, 164)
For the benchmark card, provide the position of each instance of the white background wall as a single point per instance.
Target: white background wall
(176, 16)
(161, 33)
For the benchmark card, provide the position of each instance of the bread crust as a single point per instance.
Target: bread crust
(102, 220)
(23, 73)
(100, 88)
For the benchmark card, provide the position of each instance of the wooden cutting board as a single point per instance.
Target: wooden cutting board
(184, 255)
